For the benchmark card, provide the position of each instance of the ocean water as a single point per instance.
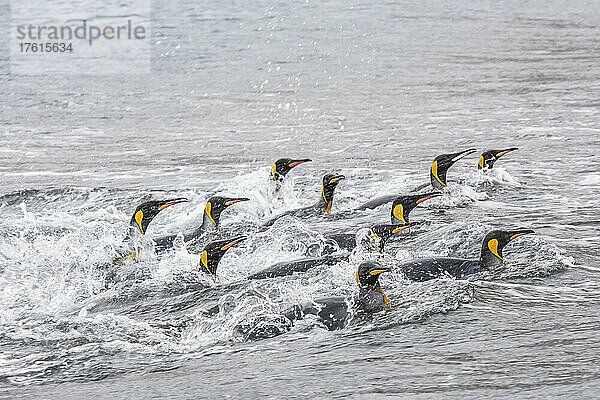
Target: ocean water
(373, 91)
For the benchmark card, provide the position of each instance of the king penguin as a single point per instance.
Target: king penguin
(335, 311)
(489, 157)
(141, 218)
(210, 223)
(491, 256)
(213, 252)
(437, 177)
(281, 167)
(323, 206)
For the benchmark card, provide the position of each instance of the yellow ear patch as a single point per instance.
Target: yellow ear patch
(139, 216)
(274, 172)
(208, 211)
(481, 162)
(328, 208)
(204, 261)
(398, 212)
(493, 246)
(434, 172)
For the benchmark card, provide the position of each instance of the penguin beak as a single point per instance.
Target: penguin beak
(233, 201)
(461, 154)
(337, 179)
(519, 232)
(427, 197)
(169, 203)
(233, 242)
(378, 270)
(293, 163)
(503, 152)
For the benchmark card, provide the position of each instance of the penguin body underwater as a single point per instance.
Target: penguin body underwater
(140, 220)
(489, 157)
(297, 266)
(323, 206)
(213, 252)
(371, 239)
(367, 239)
(210, 222)
(335, 311)
(437, 176)
(421, 270)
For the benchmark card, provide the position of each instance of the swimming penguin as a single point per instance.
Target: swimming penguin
(403, 205)
(323, 206)
(441, 164)
(488, 158)
(334, 311)
(210, 222)
(282, 166)
(371, 239)
(214, 251)
(491, 256)
(437, 176)
(141, 218)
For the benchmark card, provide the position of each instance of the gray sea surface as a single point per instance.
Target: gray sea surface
(373, 90)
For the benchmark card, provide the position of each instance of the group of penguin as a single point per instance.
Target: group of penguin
(370, 297)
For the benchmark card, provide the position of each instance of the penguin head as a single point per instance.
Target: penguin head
(145, 212)
(441, 164)
(403, 205)
(494, 242)
(488, 158)
(330, 182)
(216, 205)
(379, 234)
(367, 275)
(282, 166)
(214, 251)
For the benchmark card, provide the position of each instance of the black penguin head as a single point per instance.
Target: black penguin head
(330, 182)
(488, 158)
(442, 163)
(367, 275)
(282, 166)
(216, 205)
(145, 212)
(494, 242)
(214, 251)
(403, 205)
(379, 234)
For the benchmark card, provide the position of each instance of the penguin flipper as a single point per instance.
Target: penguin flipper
(376, 202)
(298, 213)
(302, 265)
